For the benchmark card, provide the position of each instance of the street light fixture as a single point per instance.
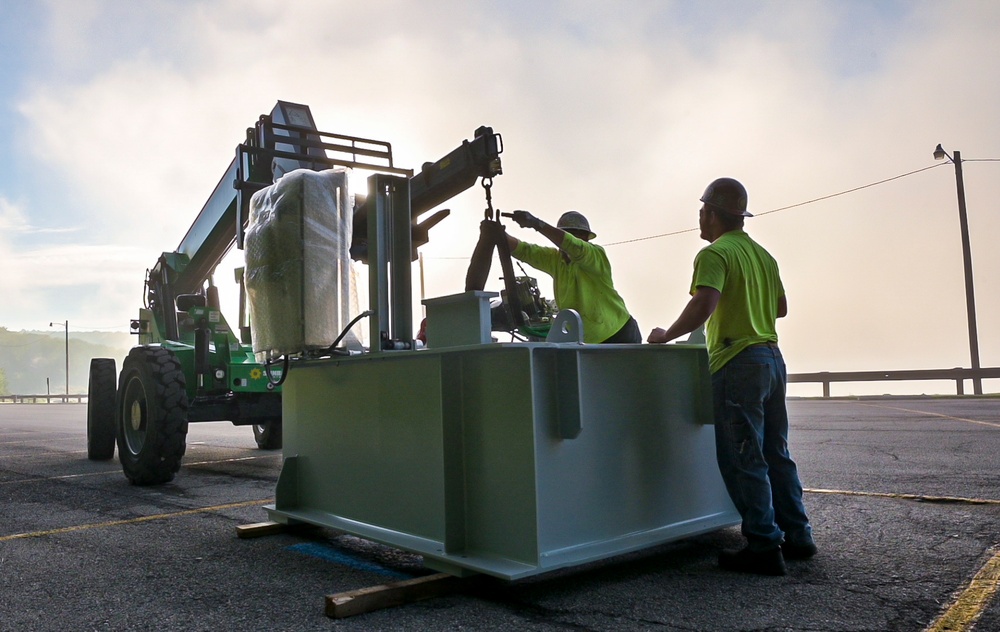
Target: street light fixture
(970, 294)
(66, 324)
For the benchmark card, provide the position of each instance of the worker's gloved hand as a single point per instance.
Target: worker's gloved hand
(524, 219)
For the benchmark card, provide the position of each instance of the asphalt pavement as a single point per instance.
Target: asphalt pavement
(904, 495)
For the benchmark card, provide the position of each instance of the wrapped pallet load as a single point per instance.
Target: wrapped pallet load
(298, 269)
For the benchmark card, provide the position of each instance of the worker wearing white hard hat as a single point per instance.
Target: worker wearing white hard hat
(581, 276)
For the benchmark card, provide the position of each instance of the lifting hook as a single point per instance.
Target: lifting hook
(490, 213)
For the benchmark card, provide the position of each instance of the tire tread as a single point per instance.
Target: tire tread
(160, 457)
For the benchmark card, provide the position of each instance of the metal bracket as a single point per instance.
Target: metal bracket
(566, 327)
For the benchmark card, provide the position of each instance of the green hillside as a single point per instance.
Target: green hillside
(28, 358)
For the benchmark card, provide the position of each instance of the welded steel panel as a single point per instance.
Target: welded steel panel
(482, 459)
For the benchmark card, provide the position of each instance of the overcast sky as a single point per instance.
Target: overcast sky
(119, 118)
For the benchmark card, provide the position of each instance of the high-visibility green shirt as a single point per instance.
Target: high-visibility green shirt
(747, 276)
(583, 284)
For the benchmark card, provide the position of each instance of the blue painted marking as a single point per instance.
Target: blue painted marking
(330, 554)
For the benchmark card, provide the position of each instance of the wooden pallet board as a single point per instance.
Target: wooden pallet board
(262, 529)
(362, 600)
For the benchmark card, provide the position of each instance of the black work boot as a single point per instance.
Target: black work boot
(766, 562)
(793, 551)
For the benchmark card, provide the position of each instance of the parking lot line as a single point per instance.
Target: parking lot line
(233, 460)
(924, 412)
(917, 497)
(195, 463)
(42, 455)
(116, 523)
(42, 441)
(971, 602)
(57, 478)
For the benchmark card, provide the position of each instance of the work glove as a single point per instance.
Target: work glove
(524, 219)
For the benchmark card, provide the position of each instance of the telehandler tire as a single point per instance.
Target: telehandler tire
(151, 414)
(268, 435)
(102, 388)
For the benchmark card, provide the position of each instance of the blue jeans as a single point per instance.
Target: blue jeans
(751, 441)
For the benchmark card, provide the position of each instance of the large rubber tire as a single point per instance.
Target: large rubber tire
(268, 435)
(102, 387)
(151, 412)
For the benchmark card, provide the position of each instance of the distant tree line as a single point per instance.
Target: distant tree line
(29, 358)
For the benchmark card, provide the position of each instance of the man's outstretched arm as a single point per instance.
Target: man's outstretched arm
(527, 220)
(693, 316)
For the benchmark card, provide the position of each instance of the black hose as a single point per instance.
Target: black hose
(353, 322)
(284, 358)
(284, 371)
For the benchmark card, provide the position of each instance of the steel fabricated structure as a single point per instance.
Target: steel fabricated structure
(509, 459)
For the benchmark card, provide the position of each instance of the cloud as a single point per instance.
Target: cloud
(11, 218)
(623, 114)
(87, 281)
(14, 222)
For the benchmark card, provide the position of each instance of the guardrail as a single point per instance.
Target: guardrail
(822, 377)
(48, 399)
(959, 375)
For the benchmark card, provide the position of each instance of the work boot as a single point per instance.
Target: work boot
(766, 562)
(793, 551)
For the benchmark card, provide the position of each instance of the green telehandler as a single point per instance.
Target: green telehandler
(190, 364)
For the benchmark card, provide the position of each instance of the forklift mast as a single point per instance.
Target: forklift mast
(284, 140)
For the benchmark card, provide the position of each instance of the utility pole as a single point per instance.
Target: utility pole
(970, 293)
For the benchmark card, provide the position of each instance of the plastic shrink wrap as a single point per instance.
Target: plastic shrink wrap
(298, 268)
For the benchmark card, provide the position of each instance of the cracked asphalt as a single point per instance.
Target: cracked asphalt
(904, 494)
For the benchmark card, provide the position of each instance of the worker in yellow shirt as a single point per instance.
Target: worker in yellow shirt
(581, 276)
(736, 288)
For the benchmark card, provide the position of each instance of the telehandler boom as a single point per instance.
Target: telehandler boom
(190, 364)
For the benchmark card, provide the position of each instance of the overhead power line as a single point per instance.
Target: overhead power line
(827, 197)
(785, 208)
